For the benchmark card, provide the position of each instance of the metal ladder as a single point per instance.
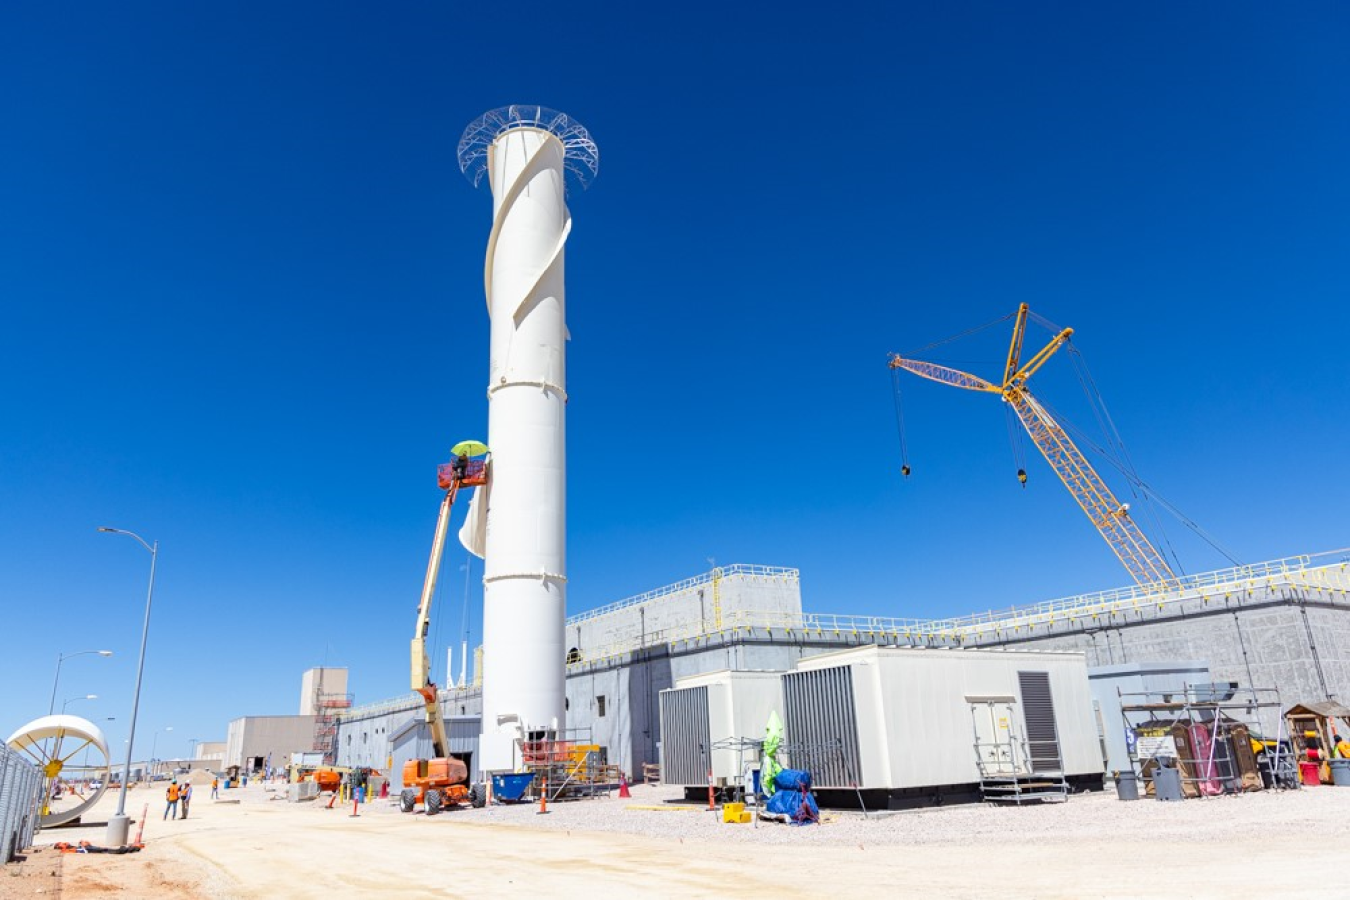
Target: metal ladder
(1005, 778)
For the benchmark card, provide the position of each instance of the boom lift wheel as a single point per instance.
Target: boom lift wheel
(407, 799)
(433, 801)
(477, 796)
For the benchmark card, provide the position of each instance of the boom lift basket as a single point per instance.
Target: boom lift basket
(475, 474)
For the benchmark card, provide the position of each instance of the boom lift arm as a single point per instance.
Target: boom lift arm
(1108, 515)
(452, 476)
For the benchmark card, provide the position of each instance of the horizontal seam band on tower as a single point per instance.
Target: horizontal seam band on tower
(546, 385)
(540, 576)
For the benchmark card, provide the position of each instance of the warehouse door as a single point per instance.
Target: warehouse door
(1038, 708)
(994, 735)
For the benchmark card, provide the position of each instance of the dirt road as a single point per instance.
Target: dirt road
(1092, 847)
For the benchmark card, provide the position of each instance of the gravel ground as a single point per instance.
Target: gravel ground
(1084, 818)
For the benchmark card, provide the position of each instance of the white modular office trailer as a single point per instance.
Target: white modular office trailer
(911, 725)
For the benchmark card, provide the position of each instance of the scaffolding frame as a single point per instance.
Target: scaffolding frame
(739, 794)
(1213, 773)
(328, 708)
(569, 766)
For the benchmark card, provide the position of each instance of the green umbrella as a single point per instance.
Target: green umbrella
(769, 766)
(469, 448)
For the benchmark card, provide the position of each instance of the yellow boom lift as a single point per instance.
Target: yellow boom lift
(443, 778)
(1109, 516)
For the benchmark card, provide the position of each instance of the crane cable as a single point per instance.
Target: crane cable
(956, 337)
(895, 382)
(1117, 443)
(1123, 462)
(1144, 486)
(1015, 434)
(900, 422)
(464, 619)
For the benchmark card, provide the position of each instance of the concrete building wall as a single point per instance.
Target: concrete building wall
(254, 737)
(211, 750)
(329, 681)
(733, 595)
(1281, 640)
(1289, 631)
(385, 736)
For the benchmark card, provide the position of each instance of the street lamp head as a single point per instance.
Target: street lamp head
(91, 696)
(105, 653)
(104, 528)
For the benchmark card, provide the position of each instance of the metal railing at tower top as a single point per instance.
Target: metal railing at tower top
(739, 570)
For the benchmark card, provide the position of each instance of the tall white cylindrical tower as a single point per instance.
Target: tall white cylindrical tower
(527, 153)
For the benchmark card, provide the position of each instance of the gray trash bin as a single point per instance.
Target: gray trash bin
(1127, 786)
(1167, 783)
(1340, 772)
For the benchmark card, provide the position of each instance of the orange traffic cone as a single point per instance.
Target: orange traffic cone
(543, 799)
(623, 788)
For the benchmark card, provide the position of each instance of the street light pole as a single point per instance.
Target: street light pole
(119, 824)
(60, 658)
(154, 767)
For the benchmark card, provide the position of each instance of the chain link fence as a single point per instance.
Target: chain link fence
(20, 793)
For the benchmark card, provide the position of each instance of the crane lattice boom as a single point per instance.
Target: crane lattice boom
(1108, 515)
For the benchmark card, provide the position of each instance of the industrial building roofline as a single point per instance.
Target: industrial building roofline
(1104, 606)
(733, 571)
(1218, 582)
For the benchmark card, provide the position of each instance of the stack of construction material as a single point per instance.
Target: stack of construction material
(302, 790)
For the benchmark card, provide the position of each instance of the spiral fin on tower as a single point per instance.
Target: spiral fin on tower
(528, 172)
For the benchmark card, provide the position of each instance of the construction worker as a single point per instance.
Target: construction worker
(171, 795)
(185, 795)
(215, 788)
(1342, 746)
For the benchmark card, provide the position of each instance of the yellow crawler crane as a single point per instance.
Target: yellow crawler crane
(1109, 516)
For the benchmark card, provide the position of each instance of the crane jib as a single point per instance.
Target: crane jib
(1108, 515)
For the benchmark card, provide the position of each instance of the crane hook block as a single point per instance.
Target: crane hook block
(1022, 477)
(904, 470)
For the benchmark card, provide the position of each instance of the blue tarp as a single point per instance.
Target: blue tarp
(798, 805)
(792, 780)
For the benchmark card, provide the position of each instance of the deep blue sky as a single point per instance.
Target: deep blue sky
(241, 278)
